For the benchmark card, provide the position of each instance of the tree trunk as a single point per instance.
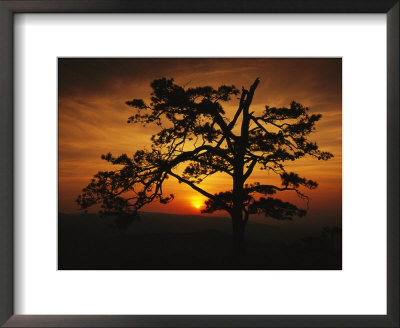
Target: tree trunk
(238, 226)
(238, 194)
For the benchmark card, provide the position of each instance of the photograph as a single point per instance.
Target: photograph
(199, 163)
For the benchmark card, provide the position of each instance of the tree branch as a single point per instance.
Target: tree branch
(250, 169)
(239, 110)
(198, 189)
(188, 155)
(192, 185)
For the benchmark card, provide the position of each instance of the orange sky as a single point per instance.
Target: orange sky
(92, 118)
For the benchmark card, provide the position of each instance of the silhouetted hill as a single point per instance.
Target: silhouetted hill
(168, 241)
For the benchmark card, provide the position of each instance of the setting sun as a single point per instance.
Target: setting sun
(197, 201)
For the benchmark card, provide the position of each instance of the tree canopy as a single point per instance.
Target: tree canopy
(196, 135)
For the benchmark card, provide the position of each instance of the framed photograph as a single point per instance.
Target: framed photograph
(167, 199)
(202, 164)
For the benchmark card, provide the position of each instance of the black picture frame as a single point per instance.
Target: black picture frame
(10, 7)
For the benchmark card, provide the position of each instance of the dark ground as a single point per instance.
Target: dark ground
(184, 242)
